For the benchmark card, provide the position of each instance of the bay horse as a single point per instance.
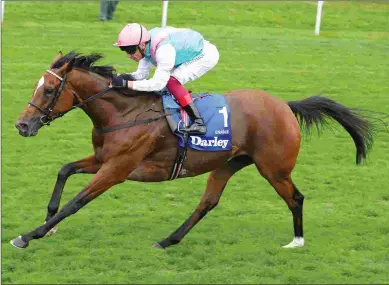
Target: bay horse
(137, 143)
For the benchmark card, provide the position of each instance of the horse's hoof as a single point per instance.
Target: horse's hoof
(296, 242)
(19, 243)
(157, 245)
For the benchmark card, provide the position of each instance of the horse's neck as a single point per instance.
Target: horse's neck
(113, 107)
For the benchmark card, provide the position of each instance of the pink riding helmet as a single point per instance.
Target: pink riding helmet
(131, 35)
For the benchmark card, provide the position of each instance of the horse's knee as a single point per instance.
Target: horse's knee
(210, 203)
(66, 171)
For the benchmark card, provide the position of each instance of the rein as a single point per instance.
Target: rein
(48, 117)
(131, 124)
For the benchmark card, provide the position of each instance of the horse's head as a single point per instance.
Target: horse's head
(49, 101)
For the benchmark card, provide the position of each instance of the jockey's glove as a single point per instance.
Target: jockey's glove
(118, 82)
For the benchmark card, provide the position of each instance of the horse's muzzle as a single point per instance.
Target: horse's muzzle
(28, 128)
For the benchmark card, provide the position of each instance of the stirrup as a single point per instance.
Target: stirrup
(194, 131)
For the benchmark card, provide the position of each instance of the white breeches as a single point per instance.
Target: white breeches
(198, 66)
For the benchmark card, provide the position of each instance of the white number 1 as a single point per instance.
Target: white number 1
(225, 115)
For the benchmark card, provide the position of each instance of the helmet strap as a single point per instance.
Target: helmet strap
(141, 52)
(140, 41)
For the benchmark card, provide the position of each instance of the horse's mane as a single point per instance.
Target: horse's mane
(86, 62)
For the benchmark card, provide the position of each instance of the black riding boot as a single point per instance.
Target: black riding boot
(197, 126)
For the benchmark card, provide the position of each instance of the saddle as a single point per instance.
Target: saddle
(216, 114)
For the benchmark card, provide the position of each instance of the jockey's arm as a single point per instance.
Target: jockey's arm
(165, 57)
(143, 70)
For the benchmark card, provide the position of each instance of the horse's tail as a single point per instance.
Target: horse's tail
(316, 110)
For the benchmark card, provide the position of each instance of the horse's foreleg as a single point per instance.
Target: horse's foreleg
(86, 165)
(216, 183)
(106, 177)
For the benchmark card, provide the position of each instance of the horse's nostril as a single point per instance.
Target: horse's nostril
(21, 126)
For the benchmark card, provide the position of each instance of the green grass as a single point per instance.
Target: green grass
(262, 45)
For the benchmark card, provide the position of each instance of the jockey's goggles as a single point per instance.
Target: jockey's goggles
(129, 49)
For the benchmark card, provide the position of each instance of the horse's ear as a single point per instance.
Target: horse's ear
(67, 67)
(57, 57)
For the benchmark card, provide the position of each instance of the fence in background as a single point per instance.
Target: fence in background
(317, 25)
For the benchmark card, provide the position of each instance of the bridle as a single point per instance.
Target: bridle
(48, 116)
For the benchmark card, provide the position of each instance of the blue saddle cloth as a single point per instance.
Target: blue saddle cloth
(216, 114)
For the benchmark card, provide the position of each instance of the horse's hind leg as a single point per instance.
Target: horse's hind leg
(294, 199)
(217, 181)
(275, 155)
(278, 175)
(86, 165)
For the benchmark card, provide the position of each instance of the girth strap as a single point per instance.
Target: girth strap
(180, 158)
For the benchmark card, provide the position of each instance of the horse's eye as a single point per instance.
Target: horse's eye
(49, 91)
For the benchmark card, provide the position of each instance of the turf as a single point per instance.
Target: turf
(264, 45)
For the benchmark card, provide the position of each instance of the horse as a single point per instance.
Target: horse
(131, 142)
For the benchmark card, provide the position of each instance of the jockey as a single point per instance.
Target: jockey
(180, 55)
